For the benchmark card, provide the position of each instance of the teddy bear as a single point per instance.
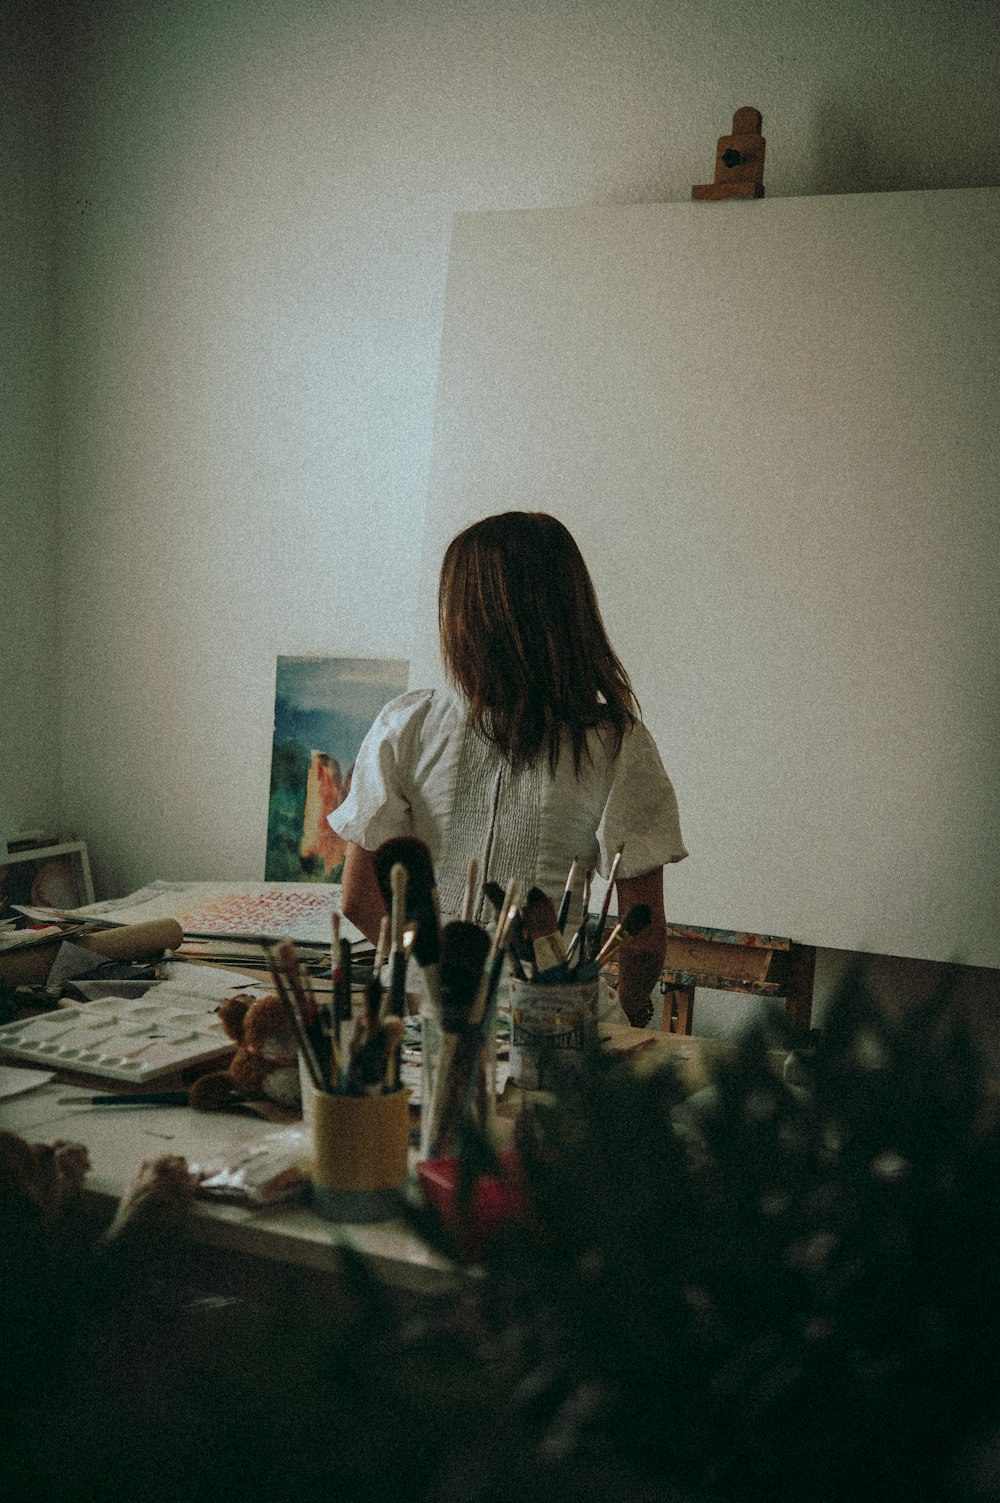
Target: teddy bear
(265, 1066)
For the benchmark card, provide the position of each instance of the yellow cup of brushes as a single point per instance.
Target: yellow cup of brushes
(360, 1153)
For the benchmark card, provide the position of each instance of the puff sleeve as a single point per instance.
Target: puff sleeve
(640, 814)
(378, 806)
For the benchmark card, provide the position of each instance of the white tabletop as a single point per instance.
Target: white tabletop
(119, 1139)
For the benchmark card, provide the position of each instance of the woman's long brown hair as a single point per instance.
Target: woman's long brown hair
(522, 637)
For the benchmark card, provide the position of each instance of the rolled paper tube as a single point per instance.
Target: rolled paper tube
(134, 941)
(31, 966)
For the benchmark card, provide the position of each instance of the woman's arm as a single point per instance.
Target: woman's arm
(361, 899)
(640, 960)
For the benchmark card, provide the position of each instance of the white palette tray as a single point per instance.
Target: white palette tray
(134, 1040)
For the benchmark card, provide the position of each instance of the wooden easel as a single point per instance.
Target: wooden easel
(760, 965)
(739, 160)
(731, 960)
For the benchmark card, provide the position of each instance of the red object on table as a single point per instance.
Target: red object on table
(494, 1201)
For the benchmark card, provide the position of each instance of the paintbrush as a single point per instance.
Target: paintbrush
(541, 929)
(490, 978)
(373, 995)
(299, 984)
(464, 950)
(359, 1034)
(566, 897)
(598, 936)
(392, 1032)
(336, 971)
(327, 1053)
(347, 980)
(422, 910)
(341, 999)
(493, 893)
(295, 1022)
(458, 1088)
(427, 947)
(578, 942)
(482, 1031)
(133, 1098)
(637, 919)
(373, 1064)
(397, 951)
(518, 948)
(469, 896)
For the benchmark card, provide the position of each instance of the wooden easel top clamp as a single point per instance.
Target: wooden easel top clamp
(739, 160)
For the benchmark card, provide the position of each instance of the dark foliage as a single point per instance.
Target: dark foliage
(767, 1291)
(764, 1291)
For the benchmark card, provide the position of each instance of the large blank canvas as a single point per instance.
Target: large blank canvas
(772, 428)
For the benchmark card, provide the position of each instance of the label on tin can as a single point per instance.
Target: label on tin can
(548, 1020)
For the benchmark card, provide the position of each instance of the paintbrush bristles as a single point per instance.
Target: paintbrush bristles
(639, 917)
(540, 927)
(538, 915)
(635, 921)
(464, 949)
(412, 854)
(493, 893)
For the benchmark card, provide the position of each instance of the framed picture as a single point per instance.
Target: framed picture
(322, 710)
(54, 876)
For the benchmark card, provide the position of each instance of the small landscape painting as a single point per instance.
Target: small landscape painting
(322, 709)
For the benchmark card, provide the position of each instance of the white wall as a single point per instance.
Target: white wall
(29, 539)
(255, 205)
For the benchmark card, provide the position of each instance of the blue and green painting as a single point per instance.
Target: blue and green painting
(322, 709)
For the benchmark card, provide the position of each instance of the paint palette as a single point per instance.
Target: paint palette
(130, 1039)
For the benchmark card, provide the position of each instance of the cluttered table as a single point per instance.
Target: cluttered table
(119, 1138)
(252, 1169)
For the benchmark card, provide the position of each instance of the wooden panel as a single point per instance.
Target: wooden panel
(730, 962)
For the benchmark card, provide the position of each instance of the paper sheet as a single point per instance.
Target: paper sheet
(14, 1082)
(286, 910)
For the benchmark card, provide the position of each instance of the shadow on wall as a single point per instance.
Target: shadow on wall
(890, 143)
(897, 981)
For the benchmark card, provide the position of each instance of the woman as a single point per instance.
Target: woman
(533, 756)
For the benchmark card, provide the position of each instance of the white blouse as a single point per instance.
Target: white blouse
(422, 770)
